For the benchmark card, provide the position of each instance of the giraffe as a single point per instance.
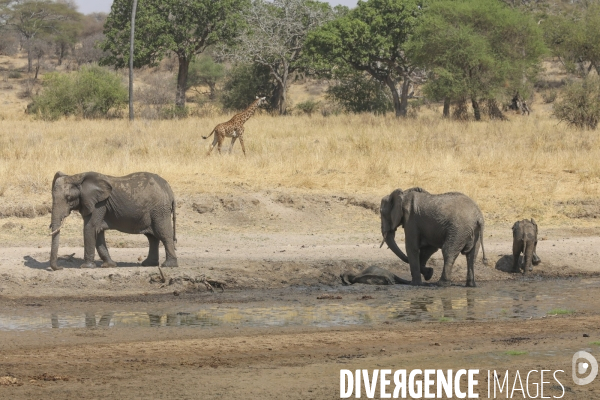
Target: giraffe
(234, 128)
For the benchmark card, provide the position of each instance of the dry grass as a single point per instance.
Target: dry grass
(528, 167)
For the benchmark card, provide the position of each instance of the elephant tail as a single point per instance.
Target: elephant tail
(481, 225)
(206, 137)
(174, 205)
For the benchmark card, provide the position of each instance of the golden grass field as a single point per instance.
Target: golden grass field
(526, 167)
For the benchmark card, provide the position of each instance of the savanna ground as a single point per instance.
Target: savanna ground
(301, 208)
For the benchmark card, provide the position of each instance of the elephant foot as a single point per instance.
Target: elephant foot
(56, 268)
(536, 260)
(471, 284)
(444, 283)
(150, 263)
(88, 264)
(109, 264)
(428, 273)
(170, 263)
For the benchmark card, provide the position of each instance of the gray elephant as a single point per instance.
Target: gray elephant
(372, 276)
(450, 221)
(525, 241)
(137, 203)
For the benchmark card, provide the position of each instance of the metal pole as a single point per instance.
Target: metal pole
(131, 60)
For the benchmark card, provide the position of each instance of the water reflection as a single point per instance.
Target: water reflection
(496, 301)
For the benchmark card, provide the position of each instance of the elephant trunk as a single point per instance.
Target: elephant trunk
(55, 226)
(391, 242)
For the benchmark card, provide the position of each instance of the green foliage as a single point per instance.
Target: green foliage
(183, 27)
(243, 83)
(579, 104)
(476, 49)
(204, 71)
(91, 92)
(358, 92)
(309, 106)
(516, 352)
(575, 39)
(372, 38)
(560, 311)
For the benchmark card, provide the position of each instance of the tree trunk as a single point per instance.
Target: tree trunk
(391, 84)
(404, 97)
(476, 110)
(446, 112)
(182, 75)
(29, 56)
(280, 98)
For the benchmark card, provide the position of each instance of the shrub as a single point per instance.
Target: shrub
(580, 104)
(309, 106)
(92, 92)
(15, 75)
(174, 112)
(243, 83)
(360, 93)
(549, 96)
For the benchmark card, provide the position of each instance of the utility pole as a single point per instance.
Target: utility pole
(131, 60)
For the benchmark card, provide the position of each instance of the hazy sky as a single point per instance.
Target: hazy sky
(89, 6)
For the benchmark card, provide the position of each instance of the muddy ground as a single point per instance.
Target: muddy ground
(258, 243)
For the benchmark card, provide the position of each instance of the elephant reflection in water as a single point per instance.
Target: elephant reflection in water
(90, 320)
(419, 308)
(183, 319)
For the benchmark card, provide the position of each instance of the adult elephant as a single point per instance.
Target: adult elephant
(137, 203)
(450, 221)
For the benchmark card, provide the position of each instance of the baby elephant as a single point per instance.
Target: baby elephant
(525, 241)
(373, 276)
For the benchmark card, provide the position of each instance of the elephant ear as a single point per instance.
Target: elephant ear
(397, 214)
(56, 176)
(534, 224)
(94, 189)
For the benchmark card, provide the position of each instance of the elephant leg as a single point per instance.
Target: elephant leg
(449, 258)
(471, 257)
(517, 247)
(425, 254)
(233, 139)
(536, 260)
(89, 242)
(103, 251)
(164, 233)
(413, 253)
(152, 259)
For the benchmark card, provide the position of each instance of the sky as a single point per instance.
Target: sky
(90, 6)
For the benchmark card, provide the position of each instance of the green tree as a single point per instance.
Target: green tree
(372, 38)
(244, 82)
(476, 50)
(275, 36)
(205, 71)
(359, 92)
(183, 27)
(575, 39)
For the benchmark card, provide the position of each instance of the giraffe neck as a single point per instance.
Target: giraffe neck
(248, 112)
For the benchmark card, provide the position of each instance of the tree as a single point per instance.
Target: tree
(205, 71)
(38, 20)
(275, 37)
(244, 82)
(372, 38)
(476, 50)
(183, 27)
(359, 92)
(575, 39)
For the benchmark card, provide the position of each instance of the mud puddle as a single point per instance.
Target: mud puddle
(323, 307)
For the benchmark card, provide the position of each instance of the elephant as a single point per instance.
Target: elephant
(372, 276)
(525, 241)
(449, 221)
(139, 203)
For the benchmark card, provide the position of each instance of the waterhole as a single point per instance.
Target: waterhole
(326, 307)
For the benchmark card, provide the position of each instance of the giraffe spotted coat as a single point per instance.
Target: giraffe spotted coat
(234, 128)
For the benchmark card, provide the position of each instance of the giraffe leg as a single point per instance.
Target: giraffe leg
(242, 143)
(232, 142)
(220, 144)
(212, 146)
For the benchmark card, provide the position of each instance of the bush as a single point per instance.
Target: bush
(174, 112)
(15, 75)
(580, 104)
(360, 93)
(549, 96)
(92, 92)
(243, 83)
(308, 106)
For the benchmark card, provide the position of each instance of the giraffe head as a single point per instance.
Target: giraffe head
(261, 100)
